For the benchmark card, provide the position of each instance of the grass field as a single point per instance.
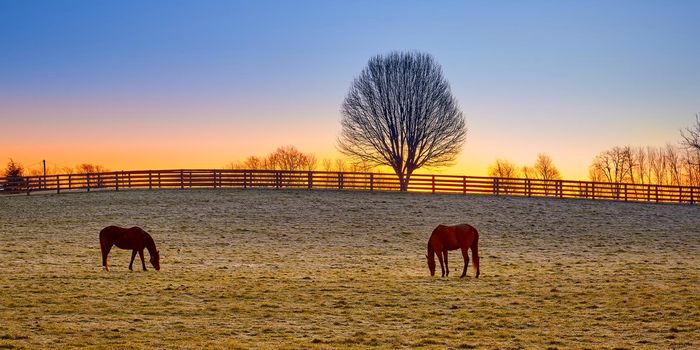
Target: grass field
(325, 269)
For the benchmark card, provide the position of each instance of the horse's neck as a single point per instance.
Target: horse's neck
(150, 245)
(431, 251)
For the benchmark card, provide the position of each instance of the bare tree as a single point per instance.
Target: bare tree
(544, 168)
(400, 112)
(290, 158)
(673, 163)
(614, 165)
(639, 166)
(253, 163)
(87, 168)
(503, 168)
(327, 164)
(339, 165)
(528, 172)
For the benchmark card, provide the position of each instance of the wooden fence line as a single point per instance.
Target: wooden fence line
(244, 179)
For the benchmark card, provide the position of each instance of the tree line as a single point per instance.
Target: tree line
(677, 165)
(542, 169)
(289, 158)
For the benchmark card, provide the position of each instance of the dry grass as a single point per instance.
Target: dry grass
(309, 269)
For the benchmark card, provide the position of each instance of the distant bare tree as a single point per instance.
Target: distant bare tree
(691, 168)
(614, 165)
(544, 168)
(639, 166)
(252, 162)
(657, 163)
(400, 112)
(528, 172)
(673, 162)
(503, 168)
(339, 165)
(290, 158)
(86, 168)
(327, 164)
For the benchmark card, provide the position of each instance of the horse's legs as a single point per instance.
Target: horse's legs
(465, 255)
(439, 254)
(142, 262)
(447, 268)
(133, 255)
(105, 251)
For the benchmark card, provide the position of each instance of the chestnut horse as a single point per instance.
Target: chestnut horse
(446, 238)
(133, 238)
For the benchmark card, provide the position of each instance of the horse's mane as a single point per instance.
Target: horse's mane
(150, 244)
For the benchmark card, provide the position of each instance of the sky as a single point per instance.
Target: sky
(199, 84)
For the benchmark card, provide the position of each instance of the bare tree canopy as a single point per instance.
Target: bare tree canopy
(544, 168)
(503, 169)
(400, 112)
(284, 158)
(691, 136)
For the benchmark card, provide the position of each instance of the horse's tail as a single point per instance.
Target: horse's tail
(475, 252)
(104, 245)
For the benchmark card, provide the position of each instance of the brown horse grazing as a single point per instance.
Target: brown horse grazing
(133, 238)
(446, 238)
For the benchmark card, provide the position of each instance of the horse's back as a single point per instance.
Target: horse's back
(455, 236)
(125, 238)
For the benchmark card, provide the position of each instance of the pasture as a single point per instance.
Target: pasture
(327, 269)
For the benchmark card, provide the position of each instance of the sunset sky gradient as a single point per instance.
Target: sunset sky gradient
(190, 84)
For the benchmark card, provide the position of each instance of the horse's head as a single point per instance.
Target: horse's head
(155, 260)
(431, 264)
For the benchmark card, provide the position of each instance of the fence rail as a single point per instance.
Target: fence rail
(220, 178)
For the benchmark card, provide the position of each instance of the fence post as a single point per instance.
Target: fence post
(464, 185)
(692, 201)
(87, 180)
(150, 180)
(592, 190)
(657, 194)
(680, 194)
(529, 188)
(433, 182)
(182, 179)
(70, 181)
(116, 181)
(625, 192)
(371, 182)
(58, 184)
(560, 185)
(310, 180)
(494, 186)
(245, 178)
(340, 181)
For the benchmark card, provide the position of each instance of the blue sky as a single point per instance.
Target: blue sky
(562, 77)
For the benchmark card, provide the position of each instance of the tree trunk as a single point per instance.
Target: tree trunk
(404, 180)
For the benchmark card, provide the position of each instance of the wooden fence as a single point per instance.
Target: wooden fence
(243, 179)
